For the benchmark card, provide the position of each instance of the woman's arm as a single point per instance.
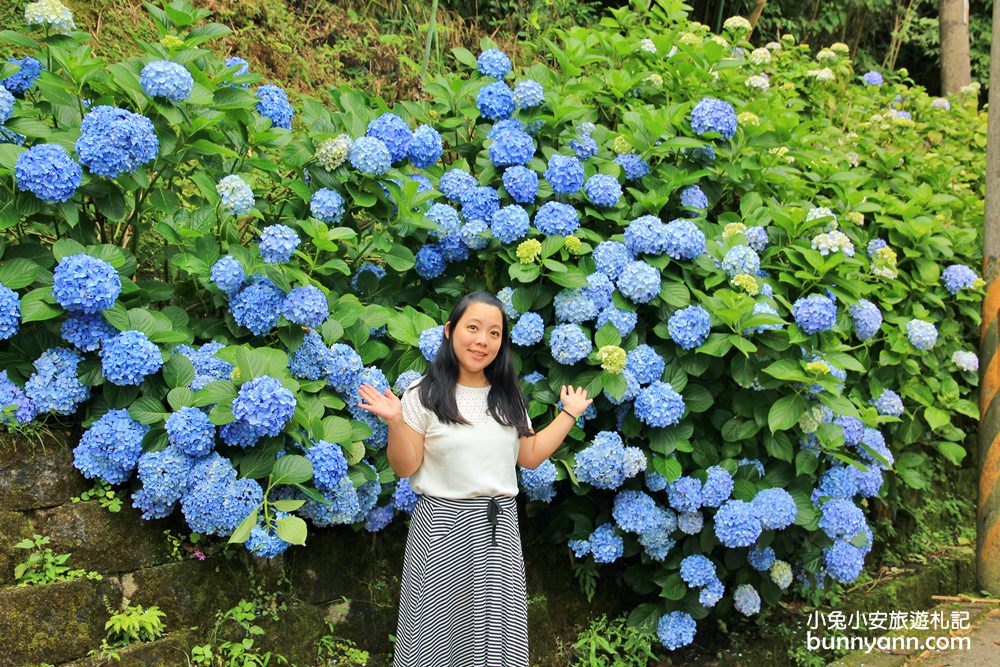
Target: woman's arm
(538, 447)
(406, 445)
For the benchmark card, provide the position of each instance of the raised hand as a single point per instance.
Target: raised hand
(574, 399)
(386, 405)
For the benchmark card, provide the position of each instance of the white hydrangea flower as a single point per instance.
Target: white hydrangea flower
(826, 55)
(840, 48)
(834, 241)
(760, 57)
(825, 74)
(737, 24)
(647, 45)
(721, 41)
(672, 52)
(689, 38)
(748, 118)
(52, 13)
(820, 212)
(758, 81)
(773, 46)
(332, 153)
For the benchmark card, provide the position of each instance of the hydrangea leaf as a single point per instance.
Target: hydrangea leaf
(785, 412)
(242, 531)
(291, 469)
(293, 530)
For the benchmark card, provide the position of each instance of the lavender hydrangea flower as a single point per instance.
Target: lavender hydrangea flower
(814, 314)
(957, 277)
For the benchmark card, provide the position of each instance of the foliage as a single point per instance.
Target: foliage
(612, 643)
(747, 376)
(240, 653)
(132, 625)
(104, 494)
(44, 566)
(331, 650)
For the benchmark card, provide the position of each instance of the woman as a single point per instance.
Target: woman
(457, 434)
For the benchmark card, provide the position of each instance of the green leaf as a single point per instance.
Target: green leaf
(37, 305)
(205, 32)
(673, 588)
(18, 273)
(242, 532)
(607, 335)
(178, 371)
(180, 397)
(936, 418)
(287, 505)
(291, 469)
(222, 413)
(148, 410)
(18, 39)
(217, 391)
(400, 258)
(785, 412)
(117, 316)
(951, 451)
(293, 530)
(66, 247)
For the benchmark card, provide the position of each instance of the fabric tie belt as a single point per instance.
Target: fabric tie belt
(492, 512)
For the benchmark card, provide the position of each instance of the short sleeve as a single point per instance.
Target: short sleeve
(414, 412)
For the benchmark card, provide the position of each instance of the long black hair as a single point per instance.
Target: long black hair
(505, 401)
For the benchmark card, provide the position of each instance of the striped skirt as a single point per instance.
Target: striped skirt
(463, 601)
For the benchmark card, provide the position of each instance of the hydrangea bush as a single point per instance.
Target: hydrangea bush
(230, 264)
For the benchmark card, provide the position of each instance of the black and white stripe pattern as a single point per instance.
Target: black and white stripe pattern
(463, 601)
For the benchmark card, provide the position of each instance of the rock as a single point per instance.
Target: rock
(101, 540)
(190, 592)
(38, 473)
(55, 622)
(170, 651)
(14, 527)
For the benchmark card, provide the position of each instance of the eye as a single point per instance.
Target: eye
(496, 334)
(472, 326)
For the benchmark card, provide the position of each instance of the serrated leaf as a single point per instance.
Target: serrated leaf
(291, 469)
(18, 273)
(242, 532)
(178, 371)
(293, 530)
(785, 413)
(147, 410)
(179, 397)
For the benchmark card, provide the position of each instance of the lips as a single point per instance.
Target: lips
(478, 355)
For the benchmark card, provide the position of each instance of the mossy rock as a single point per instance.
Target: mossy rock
(38, 473)
(14, 527)
(102, 540)
(189, 592)
(170, 651)
(55, 622)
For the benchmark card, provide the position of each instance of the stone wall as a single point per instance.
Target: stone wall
(346, 577)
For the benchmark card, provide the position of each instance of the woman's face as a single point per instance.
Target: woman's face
(476, 336)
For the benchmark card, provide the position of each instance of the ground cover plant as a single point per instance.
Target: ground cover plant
(755, 257)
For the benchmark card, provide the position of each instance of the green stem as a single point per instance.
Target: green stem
(428, 41)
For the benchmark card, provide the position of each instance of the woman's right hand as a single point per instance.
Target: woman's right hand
(386, 405)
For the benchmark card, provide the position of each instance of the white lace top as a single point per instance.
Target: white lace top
(463, 461)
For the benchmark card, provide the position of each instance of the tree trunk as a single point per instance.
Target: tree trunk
(956, 67)
(988, 510)
(755, 14)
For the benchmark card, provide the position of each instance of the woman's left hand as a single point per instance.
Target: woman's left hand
(574, 399)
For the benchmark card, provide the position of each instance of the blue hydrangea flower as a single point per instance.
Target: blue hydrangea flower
(506, 298)
(636, 512)
(85, 284)
(264, 404)
(505, 125)
(54, 386)
(403, 497)
(557, 218)
(394, 133)
(685, 494)
(533, 377)
(476, 234)
(683, 240)
(756, 236)
(645, 235)
(693, 197)
(676, 629)
(837, 482)
(867, 319)
(162, 78)
(852, 427)
(110, 448)
(480, 203)
(600, 289)
(763, 307)
(603, 190)
(22, 80)
(454, 183)
(423, 183)
(264, 541)
(327, 206)
(191, 431)
(607, 462)
(495, 101)
(13, 398)
(574, 305)
(741, 259)
(6, 105)
(342, 507)
(957, 277)
(889, 403)
(690, 523)
(633, 165)
(761, 559)
(584, 147)
(10, 312)
(216, 502)
(569, 344)
(127, 358)
(165, 477)
(689, 327)
(717, 488)
(378, 518)
(277, 243)
(539, 483)
(48, 172)
(430, 262)
(746, 600)
(610, 258)
(605, 545)
(528, 94)
(736, 524)
(329, 465)
(639, 282)
(521, 184)
(841, 519)
(272, 102)
(306, 305)
(347, 366)
(86, 332)
(714, 115)
(844, 561)
(753, 463)
(115, 141)
(711, 594)
(512, 147)
(875, 245)
(922, 334)
(430, 341)
(447, 219)
(565, 174)
(312, 360)
(872, 78)
(242, 67)
(373, 269)
(965, 360)
(404, 380)
(494, 63)
(697, 571)
(658, 405)
(815, 313)
(236, 195)
(258, 305)
(775, 508)
(873, 440)
(207, 366)
(645, 364)
(370, 156)
(528, 330)
(228, 275)
(426, 148)
(239, 434)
